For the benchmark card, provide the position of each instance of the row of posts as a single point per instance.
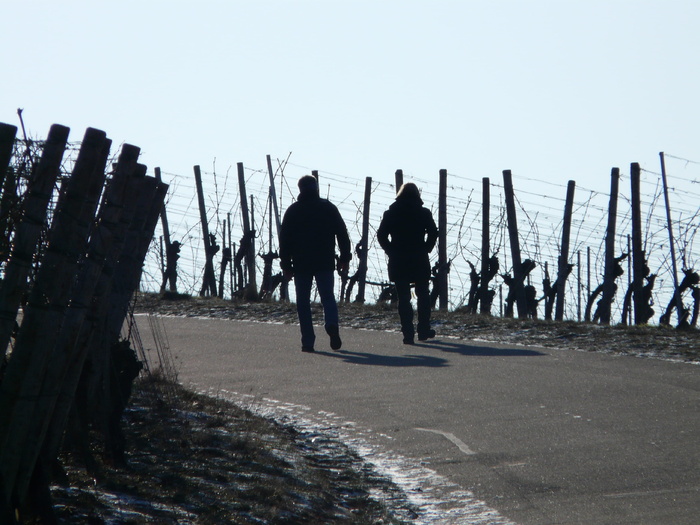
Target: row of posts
(62, 357)
(518, 294)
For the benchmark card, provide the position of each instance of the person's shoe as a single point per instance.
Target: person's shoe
(332, 331)
(307, 348)
(408, 340)
(424, 336)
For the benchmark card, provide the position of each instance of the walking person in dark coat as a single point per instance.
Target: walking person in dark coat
(408, 234)
(310, 228)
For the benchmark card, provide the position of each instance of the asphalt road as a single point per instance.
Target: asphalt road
(541, 436)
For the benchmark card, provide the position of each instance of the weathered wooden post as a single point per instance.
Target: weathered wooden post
(209, 280)
(485, 246)
(46, 306)
(170, 274)
(638, 260)
(248, 233)
(398, 177)
(278, 221)
(88, 305)
(34, 210)
(676, 289)
(7, 141)
(564, 267)
(443, 266)
(518, 276)
(609, 272)
(362, 277)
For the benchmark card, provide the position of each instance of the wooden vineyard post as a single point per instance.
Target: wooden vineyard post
(248, 234)
(564, 266)
(278, 221)
(443, 265)
(43, 314)
(209, 281)
(398, 177)
(609, 272)
(484, 299)
(76, 342)
(7, 141)
(676, 288)
(170, 274)
(47, 305)
(518, 276)
(640, 269)
(28, 231)
(362, 277)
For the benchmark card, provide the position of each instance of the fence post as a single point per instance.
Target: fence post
(248, 233)
(638, 261)
(75, 213)
(7, 141)
(564, 267)
(609, 271)
(365, 242)
(485, 246)
(26, 372)
(398, 177)
(34, 211)
(518, 274)
(170, 275)
(676, 288)
(443, 267)
(209, 280)
(76, 341)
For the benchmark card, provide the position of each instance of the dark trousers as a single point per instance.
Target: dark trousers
(403, 292)
(324, 283)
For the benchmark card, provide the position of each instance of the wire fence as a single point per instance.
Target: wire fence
(540, 214)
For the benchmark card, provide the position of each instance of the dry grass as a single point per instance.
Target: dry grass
(197, 459)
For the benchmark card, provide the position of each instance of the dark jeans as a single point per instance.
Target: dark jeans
(403, 292)
(324, 284)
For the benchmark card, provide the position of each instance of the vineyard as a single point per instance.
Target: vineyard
(539, 211)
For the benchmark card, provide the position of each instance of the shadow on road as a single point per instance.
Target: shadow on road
(481, 351)
(364, 358)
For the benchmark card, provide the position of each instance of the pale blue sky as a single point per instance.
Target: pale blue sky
(553, 90)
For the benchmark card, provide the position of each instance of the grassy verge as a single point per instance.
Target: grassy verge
(197, 459)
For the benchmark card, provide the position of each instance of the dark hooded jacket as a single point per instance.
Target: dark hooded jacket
(408, 234)
(308, 235)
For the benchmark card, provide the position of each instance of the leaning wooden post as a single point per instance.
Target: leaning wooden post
(48, 301)
(638, 262)
(76, 341)
(485, 307)
(362, 277)
(7, 141)
(44, 311)
(398, 177)
(564, 256)
(170, 271)
(34, 210)
(443, 267)
(609, 271)
(209, 282)
(676, 289)
(518, 277)
(247, 231)
(278, 221)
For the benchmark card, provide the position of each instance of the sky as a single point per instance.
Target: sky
(552, 90)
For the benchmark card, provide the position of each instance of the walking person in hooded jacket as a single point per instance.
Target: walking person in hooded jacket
(310, 228)
(408, 234)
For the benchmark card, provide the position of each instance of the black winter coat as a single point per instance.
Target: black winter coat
(308, 235)
(408, 234)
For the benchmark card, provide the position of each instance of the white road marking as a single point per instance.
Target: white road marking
(461, 445)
